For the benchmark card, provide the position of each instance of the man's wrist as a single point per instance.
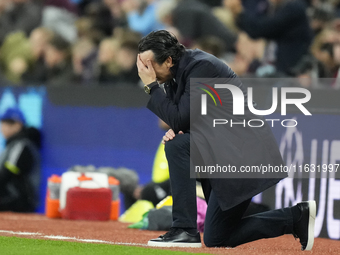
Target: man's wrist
(150, 87)
(152, 83)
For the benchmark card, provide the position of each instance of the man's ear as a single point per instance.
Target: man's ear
(168, 62)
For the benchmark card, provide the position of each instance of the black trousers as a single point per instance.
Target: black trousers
(222, 228)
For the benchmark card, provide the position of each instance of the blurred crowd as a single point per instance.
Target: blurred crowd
(94, 42)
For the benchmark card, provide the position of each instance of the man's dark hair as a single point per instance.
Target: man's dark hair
(163, 44)
(60, 43)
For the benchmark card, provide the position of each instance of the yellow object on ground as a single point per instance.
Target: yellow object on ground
(160, 169)
(136, 211)
(165, 202)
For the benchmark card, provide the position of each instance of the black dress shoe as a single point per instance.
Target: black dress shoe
(304, 227)
(177, 237)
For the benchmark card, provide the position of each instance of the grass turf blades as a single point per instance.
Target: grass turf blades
(26, 246)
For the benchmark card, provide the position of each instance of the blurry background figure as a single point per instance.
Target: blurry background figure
(58, 62)
(98, 20)
(286, 24)
(164, 16)
(306, 72)
(117, 59)
(108, 67)
(18, 15)
(60, 16)
(16, 57)
(126, 60)
(141, 15)
(38, 41)
(84, 57)
(321, 17)
(249, 55)
(195, 20)
(212, 45)
(19, 164)
(263, 38)
(325, 48)
(118, 15)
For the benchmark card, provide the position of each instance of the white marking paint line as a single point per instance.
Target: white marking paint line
(40, 235)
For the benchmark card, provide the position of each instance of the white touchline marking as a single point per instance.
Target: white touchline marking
(68, 238)
(13, 217)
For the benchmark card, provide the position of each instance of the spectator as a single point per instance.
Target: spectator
(38, 41)
(329, 57)
(108, 67)
(16, 56)
(126, 59)
(288, 26)
(195, 20)
(212, 45)
(84, 57)
(212, 3)
(226, 17)
(321, 17)
(306, 72)
(63, 4)
(18, 15)
(58, 61)
(102, 45)
(22, 57)
(86, 29)
(248, 57)
(19, 164)
(325, 50)
(164, 16)
(101, 19)
(223, 13)
(60, 16)
(256, 8)
(141, 16)
(117, 13)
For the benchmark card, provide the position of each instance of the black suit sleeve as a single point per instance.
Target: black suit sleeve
(272, 27)
(177, 116)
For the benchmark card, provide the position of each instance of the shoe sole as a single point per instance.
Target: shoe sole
(169, 244)
(311, 224)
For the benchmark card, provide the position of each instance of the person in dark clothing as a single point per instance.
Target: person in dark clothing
(58, 61)
(119, 68)
(162, 59)
(19, 164)
(38, 41)
(194, 20)
(19, 15)
(288, 26)
(126, 60)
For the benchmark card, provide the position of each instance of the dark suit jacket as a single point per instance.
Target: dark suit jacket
(241, 146)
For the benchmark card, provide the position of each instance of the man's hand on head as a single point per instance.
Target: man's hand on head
(145, 71)
(169, 135)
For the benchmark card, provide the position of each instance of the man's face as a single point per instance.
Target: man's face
(38, 42)
(107, 52)
(10, 129)
(162, 71)
(53, 56)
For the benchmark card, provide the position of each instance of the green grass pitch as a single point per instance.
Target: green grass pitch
(25, 246)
